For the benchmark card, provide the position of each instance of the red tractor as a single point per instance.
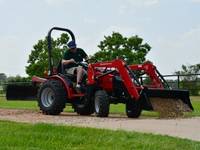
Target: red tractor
(106, 83)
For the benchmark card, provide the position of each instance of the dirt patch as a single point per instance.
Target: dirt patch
(169, 108)
(184, 128)
(4, 112)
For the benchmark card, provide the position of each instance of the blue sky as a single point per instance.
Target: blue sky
(171, 27)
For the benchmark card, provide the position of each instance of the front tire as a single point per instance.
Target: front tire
(52, 97)
(101, 104)
(133, 108)
(85, 107)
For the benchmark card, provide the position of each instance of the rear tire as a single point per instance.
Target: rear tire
(133, 109)
(52, 97)
(101, 104)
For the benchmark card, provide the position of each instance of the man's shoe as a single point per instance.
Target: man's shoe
(78, 88)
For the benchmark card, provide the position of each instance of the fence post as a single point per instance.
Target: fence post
(178, 81)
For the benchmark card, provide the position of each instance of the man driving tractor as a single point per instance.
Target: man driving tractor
(71, 58)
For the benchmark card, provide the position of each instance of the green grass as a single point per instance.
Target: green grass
(196, 105)
(18, 104)
(119, 108)
(18, 136)
(32, 105)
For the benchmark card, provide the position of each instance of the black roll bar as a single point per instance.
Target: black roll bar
(50, 44)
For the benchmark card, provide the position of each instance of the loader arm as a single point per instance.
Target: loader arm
(151, 71)
(124, 73)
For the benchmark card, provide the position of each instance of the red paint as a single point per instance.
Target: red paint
(150, 70)
(105, 82)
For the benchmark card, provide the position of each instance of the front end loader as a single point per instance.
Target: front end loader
(121, 84)
(169, 102)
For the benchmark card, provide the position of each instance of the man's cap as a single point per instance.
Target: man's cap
(71, 44)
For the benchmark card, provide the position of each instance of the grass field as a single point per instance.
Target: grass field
(119, 108)
(18, 136)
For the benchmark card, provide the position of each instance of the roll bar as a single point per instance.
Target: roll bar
(50, 44)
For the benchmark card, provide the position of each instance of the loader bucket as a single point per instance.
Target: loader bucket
(169, 103)
(21, 92)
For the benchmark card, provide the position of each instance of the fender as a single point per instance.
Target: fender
(36, 79)
(64, 83)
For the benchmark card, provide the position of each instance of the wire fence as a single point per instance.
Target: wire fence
(190, 82)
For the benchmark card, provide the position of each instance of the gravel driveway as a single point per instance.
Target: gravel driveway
(184, 128)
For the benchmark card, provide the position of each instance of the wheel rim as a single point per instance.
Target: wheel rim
(96, 106)
(47, 97)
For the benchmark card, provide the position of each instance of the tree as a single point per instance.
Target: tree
(3, 77)
(38, 59)
(131, 49)
(191, 69)
(190, 82)
(17, 79)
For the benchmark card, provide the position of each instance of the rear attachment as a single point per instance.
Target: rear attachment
(21, 92)
(169, 103)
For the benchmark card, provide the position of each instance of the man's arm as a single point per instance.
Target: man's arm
(66, 59)
(69, 61)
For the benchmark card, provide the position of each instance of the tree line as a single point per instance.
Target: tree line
(132, 49)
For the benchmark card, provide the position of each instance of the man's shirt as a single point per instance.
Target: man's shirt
(78, 56)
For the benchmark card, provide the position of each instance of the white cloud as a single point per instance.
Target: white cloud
(140, 3)
(195, 1)
(126, 31)
(1, 1)
(13, 55)
(57, 2)
(134, 6)
(122, 9)
(89, 43)
(187, 41)
(177, 50)
(150, 2)
(14, 52)
(89, 21)
(193, 33)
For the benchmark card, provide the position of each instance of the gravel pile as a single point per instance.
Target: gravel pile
(169, 108)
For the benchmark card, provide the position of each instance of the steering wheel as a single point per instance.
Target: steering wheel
(83, 64)
(61, 66)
